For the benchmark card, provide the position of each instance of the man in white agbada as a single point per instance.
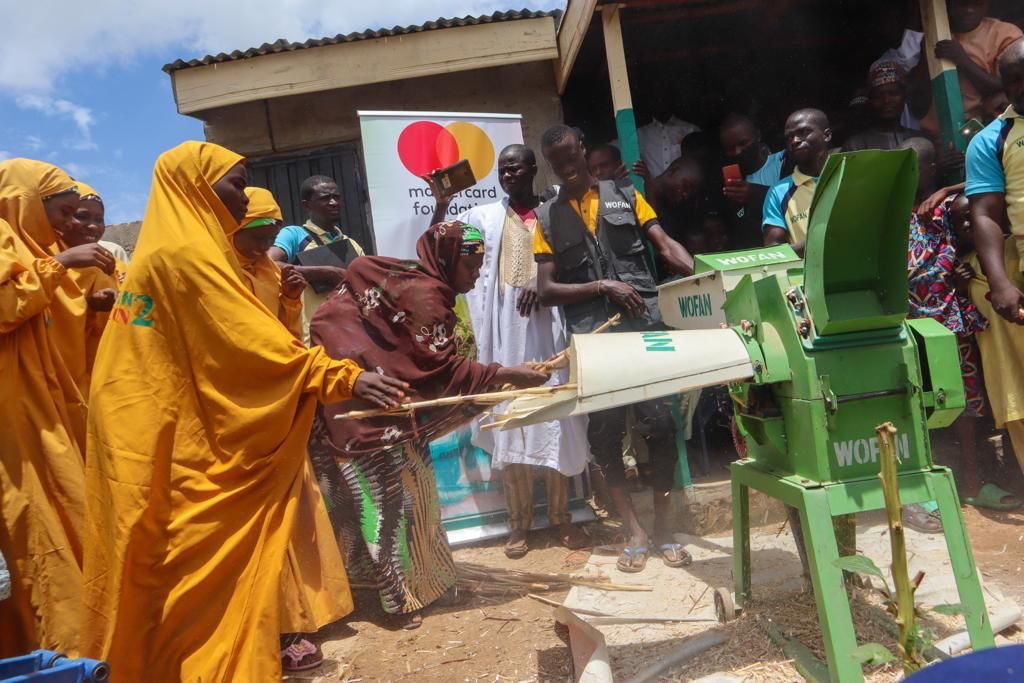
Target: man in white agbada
(511, 327)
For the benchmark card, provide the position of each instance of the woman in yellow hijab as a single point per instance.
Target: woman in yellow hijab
(42, 414)
(202, 404)
(91, 216)
(81, 323)
(280, 290)
(314, 584)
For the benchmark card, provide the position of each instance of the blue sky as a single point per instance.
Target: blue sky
(89, 95)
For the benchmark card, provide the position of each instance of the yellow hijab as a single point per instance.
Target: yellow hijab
(24, 184)
(262, 274)
(196, 464)
(87, 192)
(77, 327)
(42, 423)
(262, 205)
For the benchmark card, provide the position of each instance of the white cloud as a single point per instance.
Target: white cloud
(79, 115)
(34, 143)
(35, 57)
(73, 169)
(82, 116)
(4, 155)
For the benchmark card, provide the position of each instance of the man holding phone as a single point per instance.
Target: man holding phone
(751, 168)
(788, 203)
(590, 246)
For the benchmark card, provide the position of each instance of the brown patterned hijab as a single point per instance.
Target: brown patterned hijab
(397, 317)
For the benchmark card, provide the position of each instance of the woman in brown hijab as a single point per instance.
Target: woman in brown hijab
(398, 317)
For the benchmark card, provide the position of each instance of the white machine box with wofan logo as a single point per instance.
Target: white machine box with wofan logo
(695, 302)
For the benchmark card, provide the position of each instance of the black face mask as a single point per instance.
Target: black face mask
(749, 159)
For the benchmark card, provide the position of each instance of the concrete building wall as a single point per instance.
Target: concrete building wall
(125, 234)
(307, 122)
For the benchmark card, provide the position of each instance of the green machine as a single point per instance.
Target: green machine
(816, 354)
(833, 356)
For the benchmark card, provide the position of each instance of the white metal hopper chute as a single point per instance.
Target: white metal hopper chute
(619, 369)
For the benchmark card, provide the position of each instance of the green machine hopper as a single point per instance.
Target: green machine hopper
(833, 357)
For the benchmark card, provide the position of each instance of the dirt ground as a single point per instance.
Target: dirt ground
(486, 639)
(515, 639)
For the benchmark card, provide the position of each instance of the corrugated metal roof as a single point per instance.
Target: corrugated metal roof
(285, 46)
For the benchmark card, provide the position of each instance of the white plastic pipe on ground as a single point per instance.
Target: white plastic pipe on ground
(1002, 616)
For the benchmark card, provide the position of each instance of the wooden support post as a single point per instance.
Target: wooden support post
(622, 101)
(949, 107)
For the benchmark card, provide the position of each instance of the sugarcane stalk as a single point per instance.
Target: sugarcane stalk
(487, 398)
(553, 362)
(882, 620)
(907, 638)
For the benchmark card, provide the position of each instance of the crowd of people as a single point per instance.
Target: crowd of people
(179, 496)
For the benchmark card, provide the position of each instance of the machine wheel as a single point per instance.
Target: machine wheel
(724, 608)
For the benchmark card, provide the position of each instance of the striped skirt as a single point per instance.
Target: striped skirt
(386, 512)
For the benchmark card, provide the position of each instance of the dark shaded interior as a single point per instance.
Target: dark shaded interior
(704, 58)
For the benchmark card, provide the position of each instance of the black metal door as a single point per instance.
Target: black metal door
(283, 175)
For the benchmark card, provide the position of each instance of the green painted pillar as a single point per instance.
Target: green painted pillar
(622, 101)
(949, 107)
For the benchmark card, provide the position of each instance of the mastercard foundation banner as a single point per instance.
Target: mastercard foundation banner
(401, 147)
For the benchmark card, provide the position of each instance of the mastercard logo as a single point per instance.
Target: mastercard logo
(424, 146)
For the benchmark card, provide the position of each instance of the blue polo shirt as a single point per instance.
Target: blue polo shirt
(293, 239)
(995, 163)
(788, 204)
(768, 174)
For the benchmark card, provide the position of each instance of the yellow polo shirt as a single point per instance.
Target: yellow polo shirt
(586, 208)
(788, 204)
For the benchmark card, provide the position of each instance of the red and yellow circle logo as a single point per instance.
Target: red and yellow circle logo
(424, 146)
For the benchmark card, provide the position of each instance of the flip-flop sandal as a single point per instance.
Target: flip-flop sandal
(683, 557)
(301, 655)
(992, 497)
(630, 555)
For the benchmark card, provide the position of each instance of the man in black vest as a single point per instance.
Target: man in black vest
(592, 256)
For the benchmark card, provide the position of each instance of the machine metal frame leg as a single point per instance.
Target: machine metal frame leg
(834, 614)
(741, 540)
(818, 505)
(965, 571)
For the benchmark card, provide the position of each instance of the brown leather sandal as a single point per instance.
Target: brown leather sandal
(516, 546)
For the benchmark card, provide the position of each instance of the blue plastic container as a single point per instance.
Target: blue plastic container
(45, 666)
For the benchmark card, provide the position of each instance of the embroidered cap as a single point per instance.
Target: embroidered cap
(884, 73)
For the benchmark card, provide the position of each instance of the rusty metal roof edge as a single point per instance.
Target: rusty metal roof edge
(282, 45)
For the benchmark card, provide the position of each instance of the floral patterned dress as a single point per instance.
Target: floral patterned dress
(931, 260)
